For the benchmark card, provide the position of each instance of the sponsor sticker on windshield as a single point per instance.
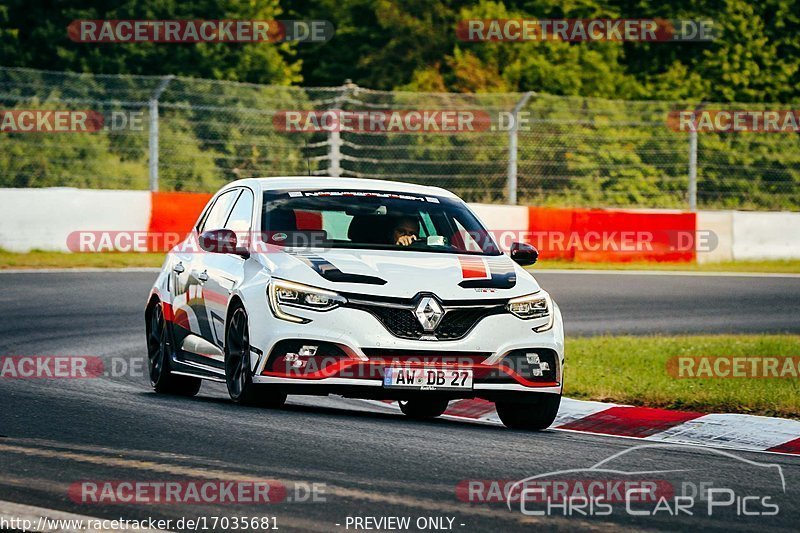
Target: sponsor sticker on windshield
(366, 194)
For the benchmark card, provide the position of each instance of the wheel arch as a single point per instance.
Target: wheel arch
(151, 303)
(234, 303)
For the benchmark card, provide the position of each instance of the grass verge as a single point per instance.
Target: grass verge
(633, 370)
(39, 259)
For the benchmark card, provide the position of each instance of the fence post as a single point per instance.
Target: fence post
(334, 154)
(511, 180)
(335, 137)
(153, 137)
(693, 168)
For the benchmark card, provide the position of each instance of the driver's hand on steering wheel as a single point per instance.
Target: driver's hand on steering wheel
(406, 240)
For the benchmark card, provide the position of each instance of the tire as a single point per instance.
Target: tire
(238, 376)
(159, 356)
(422, 409)
(530, 415)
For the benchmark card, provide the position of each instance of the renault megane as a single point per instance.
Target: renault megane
(362, 288)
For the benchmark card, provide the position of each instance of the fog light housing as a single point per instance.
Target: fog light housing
(307, 351)
(538, 367)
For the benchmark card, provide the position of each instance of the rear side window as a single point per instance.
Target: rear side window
(218, 214)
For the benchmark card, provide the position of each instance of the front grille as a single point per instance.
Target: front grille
(400, 320)
(458, 322)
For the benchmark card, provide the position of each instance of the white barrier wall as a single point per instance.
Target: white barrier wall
(502, 217)
(766, 235)
(719, 224)
(42, 219)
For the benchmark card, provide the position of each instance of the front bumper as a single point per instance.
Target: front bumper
(355, 348)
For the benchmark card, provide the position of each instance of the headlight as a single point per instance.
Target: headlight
(286, 294)
(537, 305)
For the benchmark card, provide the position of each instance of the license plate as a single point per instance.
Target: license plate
(427, 378)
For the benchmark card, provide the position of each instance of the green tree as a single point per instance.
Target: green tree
(36, 36)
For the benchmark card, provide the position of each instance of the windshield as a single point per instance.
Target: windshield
(373, 220)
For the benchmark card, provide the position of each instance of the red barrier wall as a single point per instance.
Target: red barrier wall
(175, 211)
(600, 235)
(549, 223)
(593, 235)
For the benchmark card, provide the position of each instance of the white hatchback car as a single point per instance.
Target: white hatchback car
(362, 288)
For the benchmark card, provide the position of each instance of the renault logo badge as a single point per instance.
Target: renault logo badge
(429, 313)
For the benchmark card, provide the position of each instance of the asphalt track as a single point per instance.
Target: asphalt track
(369, 463)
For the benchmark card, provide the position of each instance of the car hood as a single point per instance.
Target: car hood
(404, 273)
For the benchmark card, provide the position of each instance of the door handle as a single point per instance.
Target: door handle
(203, 276)
(179, 268)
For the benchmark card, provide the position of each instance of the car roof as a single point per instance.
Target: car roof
(302, 183)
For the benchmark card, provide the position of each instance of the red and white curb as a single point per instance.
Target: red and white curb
(739, 432)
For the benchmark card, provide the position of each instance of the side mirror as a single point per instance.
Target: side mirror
(524, 254)
(221, 241)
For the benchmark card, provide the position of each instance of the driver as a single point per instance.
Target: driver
(406, 230)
